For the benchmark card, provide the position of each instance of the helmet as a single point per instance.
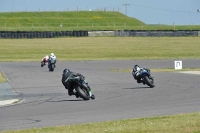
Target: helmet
(66, 70)
(136, 68)
(52, 54)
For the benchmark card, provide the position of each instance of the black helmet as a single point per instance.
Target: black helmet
(136, 68)
(66, 70)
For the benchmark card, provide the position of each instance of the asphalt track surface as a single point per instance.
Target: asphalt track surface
(45, 101)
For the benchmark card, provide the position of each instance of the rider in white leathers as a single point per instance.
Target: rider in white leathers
(52, 56)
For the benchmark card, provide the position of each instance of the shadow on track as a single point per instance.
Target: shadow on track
(138, 88)
(65, 100)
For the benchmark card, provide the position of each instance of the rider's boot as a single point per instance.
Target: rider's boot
(71, 93)
(139, 81)
(76, 94)
(92, 97)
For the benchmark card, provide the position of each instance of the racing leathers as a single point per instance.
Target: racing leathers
(136, 73)
(51, 57)
(67, 77)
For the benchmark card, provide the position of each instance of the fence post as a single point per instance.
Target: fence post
(61, 27)
(77, 25)
(124, 25)
(174, 25)
(32, 26)
(92, 25)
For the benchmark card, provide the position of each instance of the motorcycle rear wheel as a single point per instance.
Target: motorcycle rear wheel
(148, 82)
(42, 64)
(82, 93)
(51, 67)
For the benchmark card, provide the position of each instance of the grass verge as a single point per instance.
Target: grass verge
(2, 77)
(157, 70)
(101, 48)
(181, 123)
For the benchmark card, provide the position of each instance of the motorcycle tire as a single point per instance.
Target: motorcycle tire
(42, 64)
(148, 82)
(82, 93)
(51, 68)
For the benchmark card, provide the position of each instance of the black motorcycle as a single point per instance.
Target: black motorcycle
(81, 87)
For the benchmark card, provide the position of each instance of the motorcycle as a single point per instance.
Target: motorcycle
(52, 64)
(82, 88)
(44, 62)
(146, 78)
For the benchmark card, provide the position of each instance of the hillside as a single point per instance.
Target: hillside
(77, 20)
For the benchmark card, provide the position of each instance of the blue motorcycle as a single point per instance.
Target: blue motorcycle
(146, 78)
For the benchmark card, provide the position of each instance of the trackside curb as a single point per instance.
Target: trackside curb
(8, 96)
(8, 102)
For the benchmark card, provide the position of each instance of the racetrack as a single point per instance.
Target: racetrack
(45, 101)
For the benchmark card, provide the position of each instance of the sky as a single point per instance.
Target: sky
(170, 12)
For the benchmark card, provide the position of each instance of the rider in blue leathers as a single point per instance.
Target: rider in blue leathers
(136, 72)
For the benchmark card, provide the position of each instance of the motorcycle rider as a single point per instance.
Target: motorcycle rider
(136, 73)
(45, 59)
(69, 75)
(52, 56)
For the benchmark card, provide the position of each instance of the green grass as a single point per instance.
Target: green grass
(78, 20)
(50, 21)
(182, 123)
(101, 48)
(2, 77)
(155, 70)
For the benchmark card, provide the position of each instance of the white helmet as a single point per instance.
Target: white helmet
(52, 54)
(136, 68)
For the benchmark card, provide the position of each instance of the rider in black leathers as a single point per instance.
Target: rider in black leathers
(66, 76)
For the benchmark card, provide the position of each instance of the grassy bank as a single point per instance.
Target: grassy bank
(183, 123)
(51, 21)
(100, 48)
(78, 20)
